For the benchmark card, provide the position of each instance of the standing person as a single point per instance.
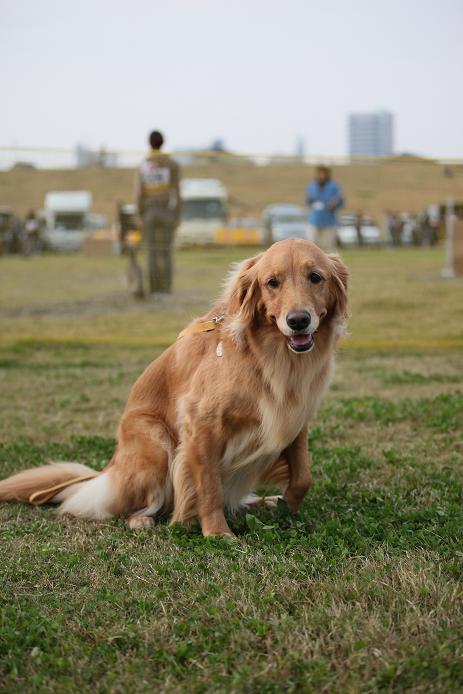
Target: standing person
(31, 234)
(358, 228)
(324, 197)
(16, 235)
(158, 199)
(395, 229)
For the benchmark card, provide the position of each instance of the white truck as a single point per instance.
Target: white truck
(204, 210)
(68, 219)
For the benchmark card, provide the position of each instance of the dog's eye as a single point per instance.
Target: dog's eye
(315, 278)
(273, 282)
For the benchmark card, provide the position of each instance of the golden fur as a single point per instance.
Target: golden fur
(220, 412)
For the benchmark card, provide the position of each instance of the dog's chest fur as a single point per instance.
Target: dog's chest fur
(281, 419)
(286, 402)
(286, 393)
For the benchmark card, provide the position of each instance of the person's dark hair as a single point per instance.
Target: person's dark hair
(156, 139)
(322, 168)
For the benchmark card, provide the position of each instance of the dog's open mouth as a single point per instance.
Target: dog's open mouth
(301, 343)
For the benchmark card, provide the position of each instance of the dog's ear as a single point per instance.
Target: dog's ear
(243, 290)
(340, 278)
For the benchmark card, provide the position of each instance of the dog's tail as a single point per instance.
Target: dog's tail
(88, 498)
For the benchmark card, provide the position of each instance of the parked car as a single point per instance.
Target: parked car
(348, 232)
(284, 221)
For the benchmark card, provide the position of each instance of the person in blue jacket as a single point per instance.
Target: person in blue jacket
(324, 198)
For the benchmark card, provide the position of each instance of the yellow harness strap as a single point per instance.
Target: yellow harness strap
(44, 495)
(205, 327)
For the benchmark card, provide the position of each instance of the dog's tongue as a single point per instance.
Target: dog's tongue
(301, 340)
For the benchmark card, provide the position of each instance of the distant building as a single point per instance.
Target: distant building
(371, 134)
(89, 157)
(217, 145)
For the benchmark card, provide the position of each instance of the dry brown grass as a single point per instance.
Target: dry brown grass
(404, 186)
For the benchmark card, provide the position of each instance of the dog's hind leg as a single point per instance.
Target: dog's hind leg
(140, 468)
(277, 475)
(256, 501)
(291, 472)
(144, 518)
(138, 522)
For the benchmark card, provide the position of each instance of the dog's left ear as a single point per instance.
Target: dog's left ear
(243, 294)
(340, 277)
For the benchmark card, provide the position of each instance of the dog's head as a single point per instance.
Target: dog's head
(293, 286)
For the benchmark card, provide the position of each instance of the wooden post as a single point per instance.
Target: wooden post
(458, 246)
(449, 269)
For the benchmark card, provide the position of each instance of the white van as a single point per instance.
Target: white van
(67, 219)
(204, 210)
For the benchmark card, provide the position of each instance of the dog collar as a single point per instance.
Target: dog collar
(204, 327)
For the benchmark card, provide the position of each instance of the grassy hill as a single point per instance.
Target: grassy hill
(374, 188)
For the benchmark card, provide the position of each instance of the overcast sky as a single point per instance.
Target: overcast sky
(257, 73)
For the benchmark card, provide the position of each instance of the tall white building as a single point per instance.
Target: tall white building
(371, 134)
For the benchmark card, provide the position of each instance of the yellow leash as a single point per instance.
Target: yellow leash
(44, 495)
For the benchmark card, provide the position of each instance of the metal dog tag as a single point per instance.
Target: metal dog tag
(219, 349)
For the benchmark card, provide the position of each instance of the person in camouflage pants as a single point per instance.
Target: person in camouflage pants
(158, 198)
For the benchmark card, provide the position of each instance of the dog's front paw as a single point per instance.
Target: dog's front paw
(220, 533)
(292, 502)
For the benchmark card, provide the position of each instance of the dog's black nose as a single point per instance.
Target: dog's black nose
(298, 320)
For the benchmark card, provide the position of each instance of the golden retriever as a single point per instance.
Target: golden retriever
(225, 408)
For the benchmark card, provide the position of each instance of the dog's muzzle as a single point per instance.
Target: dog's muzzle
(301, 339)
(301, 343)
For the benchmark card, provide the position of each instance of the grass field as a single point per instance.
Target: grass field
(362, 592)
